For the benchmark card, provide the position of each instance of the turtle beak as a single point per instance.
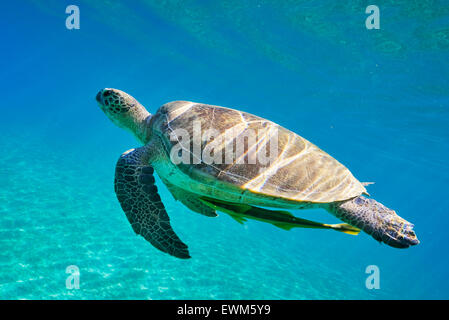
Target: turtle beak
(99, 96)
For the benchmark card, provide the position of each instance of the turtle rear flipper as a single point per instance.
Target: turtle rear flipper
(190, 200)
(374, 218)
(138, 196)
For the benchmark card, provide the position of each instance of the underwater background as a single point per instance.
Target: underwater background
(376, 100)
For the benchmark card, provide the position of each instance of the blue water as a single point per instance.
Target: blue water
(376, 100)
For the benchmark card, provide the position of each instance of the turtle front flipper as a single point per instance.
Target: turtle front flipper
(138, 197)
(374, 218)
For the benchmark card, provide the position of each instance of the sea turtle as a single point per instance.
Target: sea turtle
(210, 158)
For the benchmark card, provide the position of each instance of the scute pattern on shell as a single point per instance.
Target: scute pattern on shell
(301, 171)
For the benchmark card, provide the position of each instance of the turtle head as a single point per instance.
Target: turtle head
(125, 111)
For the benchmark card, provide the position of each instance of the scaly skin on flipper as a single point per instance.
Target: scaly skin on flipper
(374, 218)
(138, 196)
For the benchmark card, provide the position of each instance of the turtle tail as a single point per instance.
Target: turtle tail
(374, 218)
